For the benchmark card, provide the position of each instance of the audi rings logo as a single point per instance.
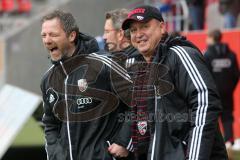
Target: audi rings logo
(82, 101)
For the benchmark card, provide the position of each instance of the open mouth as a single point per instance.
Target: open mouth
(53, 49)
(141, 41)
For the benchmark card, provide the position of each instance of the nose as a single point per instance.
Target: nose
(47, 40)
(104, 36)
(138, 33)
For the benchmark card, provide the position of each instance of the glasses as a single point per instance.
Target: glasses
(107, 31)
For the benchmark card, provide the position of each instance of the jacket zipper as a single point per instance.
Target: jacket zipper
(154, 137)
(66, 98)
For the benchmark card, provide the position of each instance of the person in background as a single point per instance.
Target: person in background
(230, 10)
(116, 39)
(180, 86)
(196, 13)
(118, 43)
(223, 64)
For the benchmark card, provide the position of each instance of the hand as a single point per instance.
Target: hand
(117, 150)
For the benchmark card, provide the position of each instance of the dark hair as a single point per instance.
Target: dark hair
(216, 35)
(66, 19)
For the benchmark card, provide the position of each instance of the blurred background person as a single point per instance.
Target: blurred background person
(115, 38)
(117, 41)
(230, 10)
(223, 64)
(196, 13)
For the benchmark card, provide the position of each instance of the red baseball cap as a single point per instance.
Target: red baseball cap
(142, 14)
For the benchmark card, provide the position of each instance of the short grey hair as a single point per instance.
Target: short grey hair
(118, 16)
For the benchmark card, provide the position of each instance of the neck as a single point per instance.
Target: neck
(124, 45)
(148, 56)
(148, 59)
(71, 50)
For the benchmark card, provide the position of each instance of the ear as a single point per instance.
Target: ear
(162, 27)
(120, 35)
(72, 36)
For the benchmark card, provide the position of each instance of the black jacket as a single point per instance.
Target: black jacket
(185, 105)
(223, 64)
(125, 54)
(81, 111)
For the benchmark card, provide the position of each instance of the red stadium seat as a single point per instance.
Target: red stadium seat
(7, 5)
(24, 6)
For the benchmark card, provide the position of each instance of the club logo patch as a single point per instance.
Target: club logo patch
(52, 96)
(140, 18)
(82, 85)
(142, 127)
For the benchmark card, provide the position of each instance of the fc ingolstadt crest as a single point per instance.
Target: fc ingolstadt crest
(142, 127)
(82, 85)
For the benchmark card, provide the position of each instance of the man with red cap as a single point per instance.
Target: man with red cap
(185, 105)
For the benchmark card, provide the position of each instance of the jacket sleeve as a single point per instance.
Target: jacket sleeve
(123, 136)
(51, 126)
(195, 84)
(121, 83)
(208, 60)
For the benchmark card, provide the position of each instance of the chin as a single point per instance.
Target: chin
(142, 48)
(55, 58)
(143, 51)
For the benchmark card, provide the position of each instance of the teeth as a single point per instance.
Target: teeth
(141, 41)
(55, 48)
